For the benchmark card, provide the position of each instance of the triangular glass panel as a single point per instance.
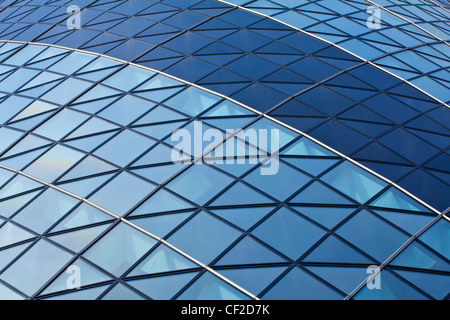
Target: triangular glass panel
(82, 295)
(77, 240)
(312, 166)
(161, 201)
(90, 143)
(159, 131)
(92, 126)
(159, 174)
(18, 185)
(392, 288)
(300, 285)
(82, 216)
(160, 114)
(240, 194)
(249, 251)
(210, 287)
(345, 279)
(434, 284)
(328, 217)
(121, 292)
(243, 217)
(333, 250)
(85, 187)
(318, 193)
(163, 288)
(412, 223)
(8, 255)
(163, 259)
(253, 279)
(306, 147)
(87, 167)
(395, 199)
(35, 108)
(10, 234)
(161, 225)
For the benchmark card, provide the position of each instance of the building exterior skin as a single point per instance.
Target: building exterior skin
(92, 205)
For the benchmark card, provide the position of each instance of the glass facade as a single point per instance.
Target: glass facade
(88, 185)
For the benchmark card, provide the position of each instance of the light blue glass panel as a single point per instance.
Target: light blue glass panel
(209, 287)
(89, 166)
(35, 108)
(17, 79)
(121, 292)
(124, 148)
(81, 295)
(8, 255)
(88, 275)
(192, 101)
(122, 193)
(161, 225)
(45, 210)
(72, 63)
(417, 256)
(438, 237)
(163, 288)
(284, 181)
(83, 215)
(77, 240)
(273, 130)
(127, 109)
(24, 55)
(243, 218)
(67, 91)
(8, 137)
(119, 249)
(128, 78)
(204, 237)
(288, 233)
(372, 235)
(36, 267)
(228, 109)
(85, 187)
(161, 201)
(355, 182)
(163, 259)
(159, 82)
(8, 294)
(54, 163)
(11, 106)
(395, 199)
(299, 285)
(10, 233)
(10, 206)
(61, 124)
(306, 147)
(392, 288)
(241, 194)
(199, 183)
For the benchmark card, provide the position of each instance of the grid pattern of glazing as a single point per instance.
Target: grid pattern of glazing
(399, 44)
(86, 140)
(262, 64)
